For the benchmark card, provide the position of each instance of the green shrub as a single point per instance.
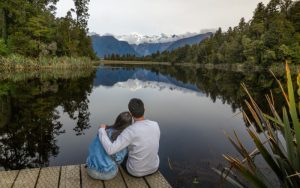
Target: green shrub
(3, 48)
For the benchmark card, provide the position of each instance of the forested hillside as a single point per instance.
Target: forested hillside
(107, 45)
(30, 28)
(272, 35)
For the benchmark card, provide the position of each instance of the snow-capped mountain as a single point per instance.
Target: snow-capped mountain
(91, 33)
(142, 45)
(135, 84)
(136, 38)
(138, 78)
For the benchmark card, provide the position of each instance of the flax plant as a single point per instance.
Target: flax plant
(278, 144)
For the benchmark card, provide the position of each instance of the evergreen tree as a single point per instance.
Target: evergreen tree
(33, 30)
(271, 36)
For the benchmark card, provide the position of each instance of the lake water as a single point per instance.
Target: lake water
(49, 119)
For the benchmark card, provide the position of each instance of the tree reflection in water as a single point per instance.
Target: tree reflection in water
(223, 84)
(29, 119)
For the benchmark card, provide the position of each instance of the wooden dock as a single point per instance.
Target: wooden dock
(75, 176)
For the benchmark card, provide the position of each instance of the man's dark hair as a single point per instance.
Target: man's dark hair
(136, 107)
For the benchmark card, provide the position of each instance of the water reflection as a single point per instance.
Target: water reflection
(50, 120)
(215, 84)
(29, 120)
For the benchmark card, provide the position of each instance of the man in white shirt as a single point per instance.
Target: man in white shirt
(141, 138)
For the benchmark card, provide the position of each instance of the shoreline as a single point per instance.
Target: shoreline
(119, 62)
(21, 64)
(235, 67)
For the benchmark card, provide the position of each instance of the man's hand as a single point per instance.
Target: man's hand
(103, 126)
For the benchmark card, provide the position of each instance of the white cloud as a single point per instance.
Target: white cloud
(162, 16)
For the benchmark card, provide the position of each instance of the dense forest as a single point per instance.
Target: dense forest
(31, 29)
(272, 35)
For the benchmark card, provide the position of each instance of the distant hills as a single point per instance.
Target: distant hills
(150, 48)
(107, 45)
(188, 41)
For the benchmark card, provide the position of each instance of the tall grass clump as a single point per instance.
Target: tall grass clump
(278, 144)
(19, 62)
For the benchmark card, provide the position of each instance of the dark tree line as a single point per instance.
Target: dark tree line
(125, 57)
(272, 35)
(30, 28)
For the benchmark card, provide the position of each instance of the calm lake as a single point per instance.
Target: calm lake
(49, 119)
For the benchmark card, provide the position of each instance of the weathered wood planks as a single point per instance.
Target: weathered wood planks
(75, 176)
(26, 178)
(87, 181)
(49, 177)
(117, 182)
(7, 178)
(70, 177)
(157, 180)
(132, 181)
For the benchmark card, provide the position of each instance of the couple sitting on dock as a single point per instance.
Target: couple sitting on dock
(131, 144)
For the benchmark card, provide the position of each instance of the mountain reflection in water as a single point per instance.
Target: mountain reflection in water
(50, 120)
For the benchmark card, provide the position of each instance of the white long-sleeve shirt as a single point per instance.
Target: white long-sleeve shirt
(142, 139)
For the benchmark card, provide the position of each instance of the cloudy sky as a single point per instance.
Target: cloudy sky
(152, 17)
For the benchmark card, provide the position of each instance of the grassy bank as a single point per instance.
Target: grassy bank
(17, 62)
(44, 74)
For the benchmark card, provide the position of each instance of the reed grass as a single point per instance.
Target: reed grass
(278, 144)
(44, 74)
(18, 62)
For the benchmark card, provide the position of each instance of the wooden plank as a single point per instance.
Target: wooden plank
(117, 182)
(27, 178)
(7, 178)
(87, 181)
(132, 181)
(157, 180)
(49, 177)
(70, 177)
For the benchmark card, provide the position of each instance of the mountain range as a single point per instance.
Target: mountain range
(140, 45)
(107, 45)
(137, 38)
(138, 78)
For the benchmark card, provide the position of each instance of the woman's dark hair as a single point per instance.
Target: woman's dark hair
(136, 107)
(123, 120)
